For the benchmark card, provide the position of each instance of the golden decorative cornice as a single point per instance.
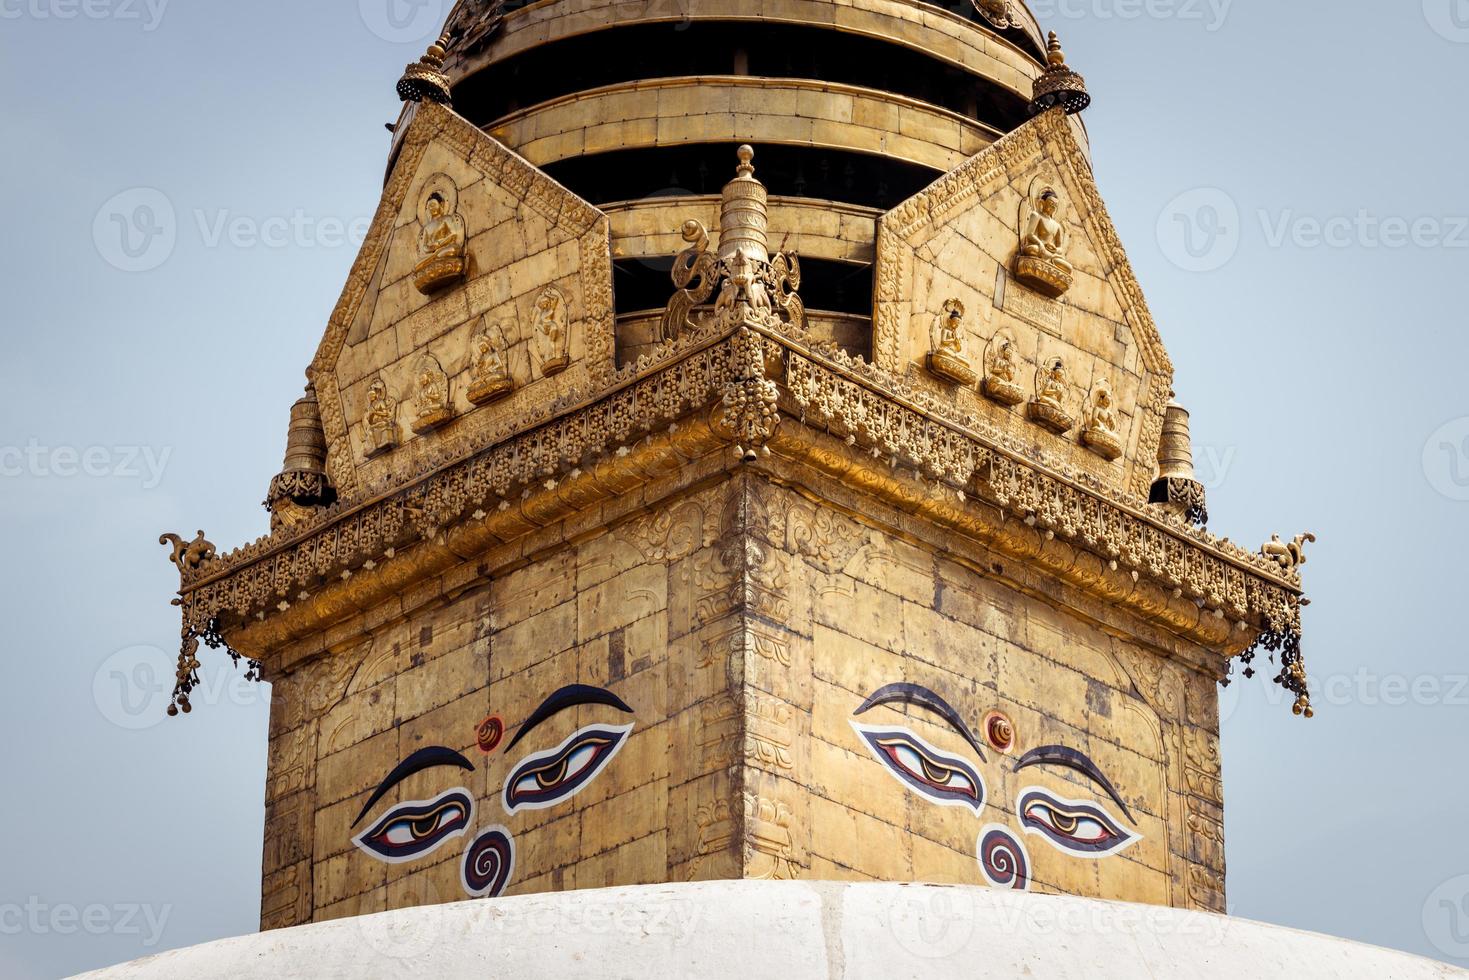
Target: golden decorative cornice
(888, 442)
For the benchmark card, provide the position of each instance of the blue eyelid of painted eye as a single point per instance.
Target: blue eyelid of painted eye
(416, 828)
(547, 778)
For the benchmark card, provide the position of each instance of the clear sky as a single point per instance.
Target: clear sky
(1287, 177)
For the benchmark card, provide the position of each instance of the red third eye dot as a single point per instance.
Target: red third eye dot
(489, 733)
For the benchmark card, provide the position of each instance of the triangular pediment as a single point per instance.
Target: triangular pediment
(954, 248)
(406, 374)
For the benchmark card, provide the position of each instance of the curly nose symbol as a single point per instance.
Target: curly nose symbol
(1207, 222)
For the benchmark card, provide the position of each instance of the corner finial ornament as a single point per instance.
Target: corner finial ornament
(1058, 85)
(189, 556)
(753, 286)
(1176, 489)
(424, 80)
(302, 485)
(1288, 555)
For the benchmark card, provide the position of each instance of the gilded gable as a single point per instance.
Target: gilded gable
(1002, 290)
(481, 298)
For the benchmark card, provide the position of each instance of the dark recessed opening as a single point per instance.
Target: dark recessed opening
(644, 51)
(835, 287)
(703, 168)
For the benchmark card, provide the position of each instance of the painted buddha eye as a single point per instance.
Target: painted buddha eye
(546, 778)
(921, 767)
(411, 830)
(1078, 828)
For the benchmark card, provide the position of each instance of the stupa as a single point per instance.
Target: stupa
(741, 450)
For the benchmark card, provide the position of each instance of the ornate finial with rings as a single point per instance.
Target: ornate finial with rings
(1058, 85)
(424, 80)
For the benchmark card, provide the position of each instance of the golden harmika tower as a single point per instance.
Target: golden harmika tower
(617, 544)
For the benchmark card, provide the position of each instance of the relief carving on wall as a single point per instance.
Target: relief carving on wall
(1044, 239)
(1048, 407)
(1002, 366)
(381, 419)
(946, 353)
(442, 256)
(1100, 434)
(432, 406)
(551, 328)
(490, 377)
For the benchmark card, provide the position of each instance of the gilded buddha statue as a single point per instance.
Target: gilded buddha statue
(490, 377)
(1048, 407)
(946, 356)
(431, 396)
(1101, 434)
(381, 419)
(441, 247)
(999, 382)
(1044, 240)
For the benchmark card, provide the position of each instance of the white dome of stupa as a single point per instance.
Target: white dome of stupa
(789, 931)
